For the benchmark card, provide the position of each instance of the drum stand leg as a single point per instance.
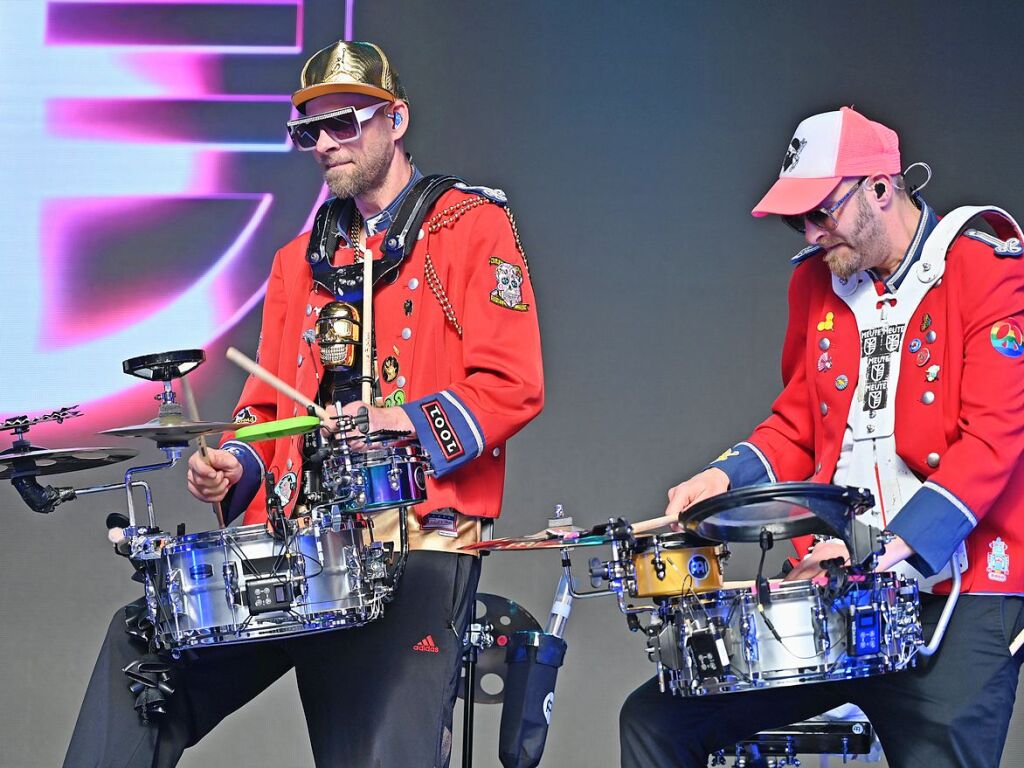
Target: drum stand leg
(469, 692)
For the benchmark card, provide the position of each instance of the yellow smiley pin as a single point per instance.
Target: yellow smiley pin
(826, 324)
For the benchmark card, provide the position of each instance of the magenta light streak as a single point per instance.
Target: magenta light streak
(88, 39)
(176, 2)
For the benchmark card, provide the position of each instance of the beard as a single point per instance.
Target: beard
(359, 177)
(867, 245)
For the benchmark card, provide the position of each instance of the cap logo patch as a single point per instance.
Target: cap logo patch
(796, 146)
(341, 66)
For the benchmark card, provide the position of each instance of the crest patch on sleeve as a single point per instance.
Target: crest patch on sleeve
(245, 416)
(509, 291)
(1007, 338)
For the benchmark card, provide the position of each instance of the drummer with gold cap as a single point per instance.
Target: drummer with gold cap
(454, 359)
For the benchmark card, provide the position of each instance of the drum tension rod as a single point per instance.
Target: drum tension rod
(765, 541)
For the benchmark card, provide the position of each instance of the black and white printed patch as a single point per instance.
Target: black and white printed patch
(877, 346)
(442, 428)
(796, 146)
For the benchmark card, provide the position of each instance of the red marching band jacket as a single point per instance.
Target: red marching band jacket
(466, 395)
(959, 408)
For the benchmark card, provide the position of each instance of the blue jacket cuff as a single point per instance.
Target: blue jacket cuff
(745, 465)
(446, 430)
(241, 494)
(933, 523)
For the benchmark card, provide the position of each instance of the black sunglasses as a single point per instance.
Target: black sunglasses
(822, 218)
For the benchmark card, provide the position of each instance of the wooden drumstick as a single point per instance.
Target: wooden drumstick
(366, 324)
(263, 374)
(193, 413)
(654, 523)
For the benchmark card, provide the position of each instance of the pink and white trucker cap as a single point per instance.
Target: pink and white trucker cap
(825, 149)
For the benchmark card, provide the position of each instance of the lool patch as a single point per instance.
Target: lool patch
(442, 429)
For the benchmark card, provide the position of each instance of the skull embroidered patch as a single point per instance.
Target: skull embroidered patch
(509, 291)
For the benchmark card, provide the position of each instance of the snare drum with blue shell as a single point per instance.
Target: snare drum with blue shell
(390, 472)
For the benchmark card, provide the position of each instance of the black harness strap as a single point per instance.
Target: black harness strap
(324, 239)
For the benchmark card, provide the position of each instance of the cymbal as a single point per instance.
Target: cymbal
(538, 541)
(172, 431)
(41, 461)
(505, 617)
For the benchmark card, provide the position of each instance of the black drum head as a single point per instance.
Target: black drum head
(786, 510)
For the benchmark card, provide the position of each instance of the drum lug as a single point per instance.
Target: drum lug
(231, 591)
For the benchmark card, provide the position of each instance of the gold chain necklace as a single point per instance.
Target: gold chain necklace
(355, 232)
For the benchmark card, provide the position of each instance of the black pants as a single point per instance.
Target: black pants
(370, 699)
(953, 709)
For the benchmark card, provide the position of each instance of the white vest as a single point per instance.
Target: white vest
(868, 458)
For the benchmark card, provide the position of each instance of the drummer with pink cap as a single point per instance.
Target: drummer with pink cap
(903, 373)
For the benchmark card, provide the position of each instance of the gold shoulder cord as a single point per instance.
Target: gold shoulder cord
(447, 218)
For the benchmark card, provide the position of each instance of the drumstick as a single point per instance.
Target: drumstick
(366, 326)
(193, 413)
(655, 522)
(263, 374)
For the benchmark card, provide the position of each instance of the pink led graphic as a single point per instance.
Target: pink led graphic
(249, 26)
(221, 120)
(167, 241)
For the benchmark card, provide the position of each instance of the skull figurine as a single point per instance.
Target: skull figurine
(339, 334)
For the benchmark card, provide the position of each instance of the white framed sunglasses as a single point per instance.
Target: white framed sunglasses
(342, 125)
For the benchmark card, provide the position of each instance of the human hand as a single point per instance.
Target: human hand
(210, 478)
(810, 566)
(703, 485)
(391, 419)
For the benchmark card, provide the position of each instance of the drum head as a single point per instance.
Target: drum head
(784, 509)
(679, 540)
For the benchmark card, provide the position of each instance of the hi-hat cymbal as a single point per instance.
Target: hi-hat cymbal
(41, 461)
(506, 617)
(174, 431)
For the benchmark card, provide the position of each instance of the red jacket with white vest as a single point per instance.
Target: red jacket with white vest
(959, 402)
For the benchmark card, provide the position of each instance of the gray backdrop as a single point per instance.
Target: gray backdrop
(633, 139)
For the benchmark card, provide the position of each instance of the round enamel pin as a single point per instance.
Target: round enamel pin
(923, 357)
(842, 382)
(915, 344)
(1007, 338)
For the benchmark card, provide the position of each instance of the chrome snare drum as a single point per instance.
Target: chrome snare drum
(726, 641)
(249, 583)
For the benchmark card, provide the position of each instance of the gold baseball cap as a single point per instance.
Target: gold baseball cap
(348, 67)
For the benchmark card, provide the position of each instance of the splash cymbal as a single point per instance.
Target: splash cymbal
(42, 461)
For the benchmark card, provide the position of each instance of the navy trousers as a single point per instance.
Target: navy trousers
(953, 709)
(374, 696)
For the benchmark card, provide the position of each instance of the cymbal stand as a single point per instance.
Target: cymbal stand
(478, 638)
(46, 498)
